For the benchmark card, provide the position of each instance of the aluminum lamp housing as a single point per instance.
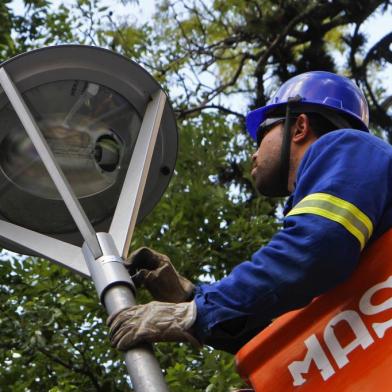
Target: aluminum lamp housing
(89, 104)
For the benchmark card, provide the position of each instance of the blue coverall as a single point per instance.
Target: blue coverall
(341, 202)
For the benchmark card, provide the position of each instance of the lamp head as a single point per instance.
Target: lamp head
(89, 104)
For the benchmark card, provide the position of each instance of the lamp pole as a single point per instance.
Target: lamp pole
(102, 252)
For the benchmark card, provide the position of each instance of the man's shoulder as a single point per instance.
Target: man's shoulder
(347, 153)
(352, 138)
(349, 164)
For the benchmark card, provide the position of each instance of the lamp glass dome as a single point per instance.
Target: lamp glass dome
(87, 127)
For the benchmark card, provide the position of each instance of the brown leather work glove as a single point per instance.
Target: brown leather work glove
(157, 274)
(153, 322)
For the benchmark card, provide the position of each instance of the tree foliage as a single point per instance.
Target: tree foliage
(216, 59)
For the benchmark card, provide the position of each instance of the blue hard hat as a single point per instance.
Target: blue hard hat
(317, 91)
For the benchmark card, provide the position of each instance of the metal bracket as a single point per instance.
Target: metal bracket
(62, 253)
(124, 219)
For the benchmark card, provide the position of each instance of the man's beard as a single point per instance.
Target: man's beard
(274, 184)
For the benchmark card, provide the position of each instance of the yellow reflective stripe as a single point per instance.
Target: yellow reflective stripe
(343, 204)
(338, 210)
(337, 218)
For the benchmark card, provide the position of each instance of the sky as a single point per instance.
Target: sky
(375, 27)
(142, 11)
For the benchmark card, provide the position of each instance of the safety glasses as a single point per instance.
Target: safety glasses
(266, 126)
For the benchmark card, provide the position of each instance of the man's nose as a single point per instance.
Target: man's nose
(254, 156)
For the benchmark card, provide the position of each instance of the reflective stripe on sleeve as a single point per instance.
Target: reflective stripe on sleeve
(338, 210)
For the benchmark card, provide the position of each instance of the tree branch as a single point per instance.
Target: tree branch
(183, 113)
(231, 82)
(264, 57)
(70, 366)
(380, 50)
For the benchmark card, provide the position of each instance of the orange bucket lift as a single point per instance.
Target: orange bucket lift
(342, 341)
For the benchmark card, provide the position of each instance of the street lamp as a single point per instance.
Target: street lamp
(88, 144)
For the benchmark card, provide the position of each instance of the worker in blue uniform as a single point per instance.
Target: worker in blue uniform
(313, 146)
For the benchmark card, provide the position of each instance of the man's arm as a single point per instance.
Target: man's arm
(307, 257)
(340, 197)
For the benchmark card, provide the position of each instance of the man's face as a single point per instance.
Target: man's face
(266, 162)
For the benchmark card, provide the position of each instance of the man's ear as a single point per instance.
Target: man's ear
(302, 132)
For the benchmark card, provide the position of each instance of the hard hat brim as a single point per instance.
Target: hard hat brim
(258, 116)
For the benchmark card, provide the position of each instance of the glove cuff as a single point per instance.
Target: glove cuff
(187, 315)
